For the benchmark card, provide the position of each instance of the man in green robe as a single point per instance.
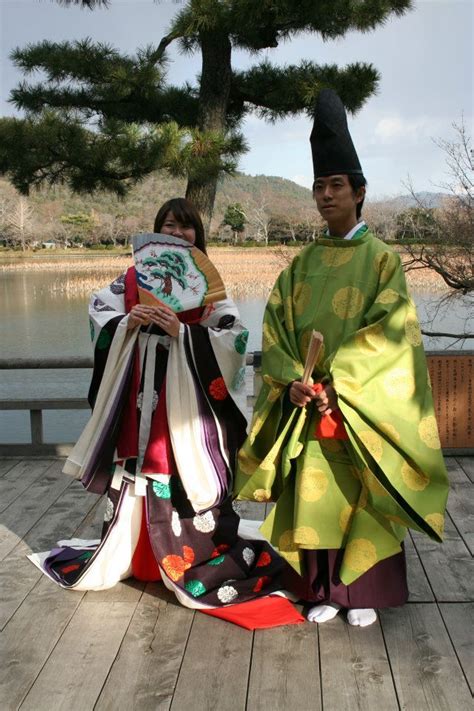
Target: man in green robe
(344, 501)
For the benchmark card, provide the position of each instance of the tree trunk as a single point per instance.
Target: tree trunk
(213, 99)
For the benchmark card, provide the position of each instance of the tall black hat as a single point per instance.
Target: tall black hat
(331, 142)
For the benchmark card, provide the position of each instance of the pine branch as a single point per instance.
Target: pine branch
(60, 150)
(277, 92)
(140, 104)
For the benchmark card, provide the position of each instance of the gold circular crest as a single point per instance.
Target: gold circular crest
(288, 310)
(428, 431)
(412, 330)
(360, 555)
(345, 518)
(348, 302)
(436, 521)
(301, 297)
(373, 443)
(269, 338)
(399, 383)
(345, 383)
(336, 257)
(275, 297)
(387, 296)
(384, 263)
(415, 480)
(262, 494)
(312, 484)
(306, 536)
(372, 483)
(287, 546)
(371, 341)
(390, 430)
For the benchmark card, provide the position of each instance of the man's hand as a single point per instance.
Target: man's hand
(301, 394)
(326, 400)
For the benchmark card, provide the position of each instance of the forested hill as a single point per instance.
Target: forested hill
(276, 195)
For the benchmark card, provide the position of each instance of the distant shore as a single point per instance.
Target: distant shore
(247, 272)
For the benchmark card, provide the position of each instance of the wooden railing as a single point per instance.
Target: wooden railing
(451, 372)
(35, 406)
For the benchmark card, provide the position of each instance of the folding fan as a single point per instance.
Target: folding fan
(172, 271)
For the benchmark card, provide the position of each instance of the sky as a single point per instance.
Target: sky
(425, 58)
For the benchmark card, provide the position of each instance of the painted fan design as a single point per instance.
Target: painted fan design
(174, 272)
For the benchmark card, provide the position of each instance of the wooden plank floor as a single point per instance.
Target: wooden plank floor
(134, 648)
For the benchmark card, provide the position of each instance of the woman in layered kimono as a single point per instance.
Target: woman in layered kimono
(169, 416)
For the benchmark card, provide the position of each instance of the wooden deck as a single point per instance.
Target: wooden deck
(133, 647)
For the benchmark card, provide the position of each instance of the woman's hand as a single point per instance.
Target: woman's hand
(167, 320)
(326, 400)
(140, 315)
(301, 394)
(162, 316)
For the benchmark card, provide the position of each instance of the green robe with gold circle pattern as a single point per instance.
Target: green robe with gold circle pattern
(361, 494)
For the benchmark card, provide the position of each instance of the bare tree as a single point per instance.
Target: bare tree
(450, 251)
(19, 220)
(259, 217)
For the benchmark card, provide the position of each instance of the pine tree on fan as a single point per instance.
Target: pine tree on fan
(104, 120)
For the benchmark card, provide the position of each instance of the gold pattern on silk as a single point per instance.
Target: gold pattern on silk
(275, 297)
(312, 484)
(306, 536)
(345, 518)
(270, 337)
(275, 393)
(301, 297)
(289, 321)
(336, 257)
(247, 463)
(347, 383)
(387, 296)
(412, 330)
(298, 367)
(436, 521)
(262, 495)
(347, 302)
(399, 383)
(371, 341)
(257, 425)
(384, 263)
(373, 443)
(415, 480)
(288, 547)
(360, 555)
(372, 483)
(428, 431)
(390, 430)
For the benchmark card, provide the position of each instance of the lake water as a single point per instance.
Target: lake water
(37, 323)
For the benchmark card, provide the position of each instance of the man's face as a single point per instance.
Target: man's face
(335, 198)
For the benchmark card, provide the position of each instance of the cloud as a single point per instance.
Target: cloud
(392, 129)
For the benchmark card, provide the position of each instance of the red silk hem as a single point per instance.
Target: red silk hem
(259, 614)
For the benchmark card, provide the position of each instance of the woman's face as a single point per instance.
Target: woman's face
(171, 226)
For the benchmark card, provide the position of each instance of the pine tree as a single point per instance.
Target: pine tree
(104, 120)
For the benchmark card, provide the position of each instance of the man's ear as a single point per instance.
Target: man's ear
(360, 194)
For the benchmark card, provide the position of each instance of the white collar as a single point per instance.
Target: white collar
(355, 229)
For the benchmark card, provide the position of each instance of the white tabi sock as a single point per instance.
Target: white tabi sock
(361, 618)
(323, 613)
